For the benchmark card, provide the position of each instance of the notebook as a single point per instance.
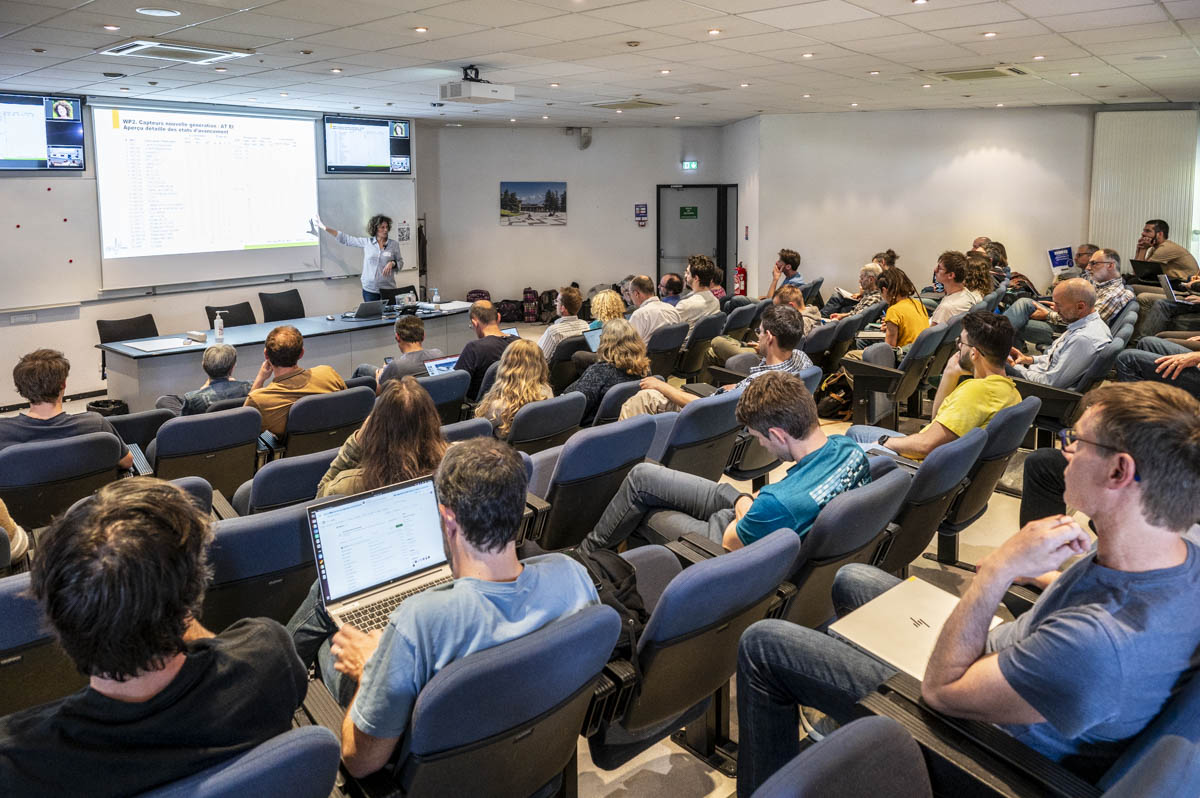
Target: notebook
(440, 365)
(901, 626)
(375, 549)
(592, 337)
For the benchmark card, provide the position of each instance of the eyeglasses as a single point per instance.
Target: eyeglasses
(1100, 262)
(1069, 438)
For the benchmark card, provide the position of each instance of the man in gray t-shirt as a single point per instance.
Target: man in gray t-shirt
(1101, 652)
(493, 599)
(410, 337)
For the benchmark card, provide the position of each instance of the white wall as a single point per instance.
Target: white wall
(740, 165)
(840, 187)
(458, 190)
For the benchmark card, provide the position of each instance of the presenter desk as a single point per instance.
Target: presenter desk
(140, 377)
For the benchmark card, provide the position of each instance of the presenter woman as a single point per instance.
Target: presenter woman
(381, 256)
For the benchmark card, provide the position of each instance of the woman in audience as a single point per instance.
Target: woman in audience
(622, 357)
(905, 316)
(18, 539)
(400, 440)
(979, 273)
(999, 255)
(886, 260)
(522, 377)
(606, 306)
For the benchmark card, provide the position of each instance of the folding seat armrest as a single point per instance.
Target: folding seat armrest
(967, 757)
(624, 676)
(724, 376)
(533, 522)
(785, 594)
(1057, 403)
(1019, 599)
(221, 508)
(692, 549)
(871, 376)
(141, 466)
(603, 695)
(269, 440)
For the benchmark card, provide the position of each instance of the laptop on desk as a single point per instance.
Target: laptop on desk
(901, 626)
(1146, 269)
(366, 310)
(440, 365)
(375, 549)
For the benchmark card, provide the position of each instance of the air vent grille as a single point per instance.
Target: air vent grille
(626, 105)
(987, 73)
(179, 52)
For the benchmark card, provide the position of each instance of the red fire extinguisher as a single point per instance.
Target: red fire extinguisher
(739, 280)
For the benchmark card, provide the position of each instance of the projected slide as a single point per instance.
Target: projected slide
(179, 183)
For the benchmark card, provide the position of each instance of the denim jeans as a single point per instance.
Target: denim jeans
(705, 507)
(311, 629)
(371, 296)
(782, 665)
(1139, 364)
(866, 435)
(1027, 328)
(1043, 485)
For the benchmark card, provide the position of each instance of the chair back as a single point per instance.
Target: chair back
(847, 329)
(849, 529)
(40, 479)
(873, 313)
(589, 471)
(811, 377)
(489, 379)
(281, 305)
(610, 404)
(220, 447)
(226, 404)
(464, 430)
(812, 292)
(702, 436)
(934, 486)
(235, 315)
(869, 756)
(283, 482)
(114, 330)
(1099, 367)
(949, 345)
(448, 391)
(262, 567)
(321, 421)
(821, 339)
(688, 648)
(737, 323)
(663, 347)
(692, 358)
(362, 382)
(563, 371)
(199, 489)
(742, 363)
(914, 365)
(140, 428)
(506, 721)
(547, 422)
(1126, 315)
(1178, 717)
(34, 669)
(1005, 432)
(300, 763)
(759, 307)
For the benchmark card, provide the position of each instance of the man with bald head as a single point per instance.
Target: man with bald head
(1085, 337)
(478, 355)
(651, 312)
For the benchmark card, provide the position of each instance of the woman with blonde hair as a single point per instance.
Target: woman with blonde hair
(606, 306)
(400, 440)
(621, 358)
(522, 377)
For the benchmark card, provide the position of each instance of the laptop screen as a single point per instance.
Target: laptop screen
(440, 365)
(593, 338)
(511, 331)
(366, 541)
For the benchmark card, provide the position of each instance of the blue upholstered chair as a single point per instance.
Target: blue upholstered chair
(362, 382)
(663, 345)
(470, 428)
(447, 391)
(34, 669)
(140, 428)
(737, 323)
(41, 479)
(691, 359)
(701, 436)
(220, 447)
(547, 422)
(322, 421)
(280, 483)
(610, 405)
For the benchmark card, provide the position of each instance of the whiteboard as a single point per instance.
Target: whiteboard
(49, 240)
(347, 204)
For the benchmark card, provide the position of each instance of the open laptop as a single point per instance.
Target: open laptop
(366, 310)
(511, 331)
(440, 365)
(1146, 269)
(592, 337)
(1165, 282)
(375, 549)
(901, 626)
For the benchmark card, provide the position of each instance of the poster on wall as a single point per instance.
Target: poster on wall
(529, 204)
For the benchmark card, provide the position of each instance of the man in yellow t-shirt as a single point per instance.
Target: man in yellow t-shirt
(287, 380)
(958, 408)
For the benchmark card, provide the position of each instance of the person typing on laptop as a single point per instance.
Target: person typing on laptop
(410, 338)
(1094, 661)
(493, 598)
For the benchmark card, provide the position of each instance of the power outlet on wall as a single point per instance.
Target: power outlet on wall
(22, 318)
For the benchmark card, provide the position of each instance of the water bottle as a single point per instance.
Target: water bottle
(219, 325)
(436, 297)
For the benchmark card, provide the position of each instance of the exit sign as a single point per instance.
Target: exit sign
(690, 166)
(689, 212)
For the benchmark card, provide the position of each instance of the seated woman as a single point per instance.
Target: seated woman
(621, 358)
(522, 377)
(606, 306)
(400, 440)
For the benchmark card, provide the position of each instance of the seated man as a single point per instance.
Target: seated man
(479, 355)
(1080, 674)
(779, 335)
(493, 599)
(724, 347)
(786, 269)
(1069, 357)
(699, 276)
(1155, 312)
(41, 378)
(121, 579)
(1161, 360)
(651, 313)
(1083, 254)
(951, 274)
(780, 414)
(281, 357)
(670, 287)
(568, 323)
(840, 306)
(218, 363)
(410, 338)
(959, 407)
(1039, 323)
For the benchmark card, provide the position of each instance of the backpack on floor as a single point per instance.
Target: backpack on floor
(509, 310)
(477, 294)
(546, 311)
(529, 301)
(616, 584)
(835, 397)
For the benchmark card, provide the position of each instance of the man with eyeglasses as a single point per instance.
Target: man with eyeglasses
(1069, 356)
(1084, 671)
(1039, 323)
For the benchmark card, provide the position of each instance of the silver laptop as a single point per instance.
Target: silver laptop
(366, 310)
(375, 549)
(592, 338)
(1165, 282)
(440, 365)
(901, 626)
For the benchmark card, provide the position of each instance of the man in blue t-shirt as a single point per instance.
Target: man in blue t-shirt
(780, 413)
(1094, 661)
(493, 599)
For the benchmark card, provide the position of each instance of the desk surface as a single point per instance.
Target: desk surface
(249, 334)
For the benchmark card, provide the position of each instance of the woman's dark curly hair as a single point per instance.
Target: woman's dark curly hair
(375, 221)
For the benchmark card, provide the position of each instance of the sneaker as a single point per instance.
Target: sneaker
(816, 724)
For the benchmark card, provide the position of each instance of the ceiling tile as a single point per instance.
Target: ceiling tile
(1134, 15)
(1183, 9)
(494, 13)
(893, 44)
(472, 44)
(1010, 31)
(964, 16)
(346, 12)
(1104, 35)
(189, 13)
(807, 15)
(619, 42)
(765, 42)
(652, 13)
(730, 27)
(1047, 8)
(568, 27)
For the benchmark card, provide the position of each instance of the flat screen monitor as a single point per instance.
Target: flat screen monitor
(368, 145)
(41, 132)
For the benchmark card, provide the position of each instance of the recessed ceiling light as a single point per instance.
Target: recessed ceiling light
(283, 94)
(1039, 58)
(919, 2)
(1076, 74)
(619, 111)
(1149, 57)
(554, 85)
(220, 69)
(853, 105)
(336, 71)
(926, 85)
(251, 99)
(807, 55)
(124, 88)
(990, 34)
(116, 75)
(306, 52)
(714, 31)
(420, 29)
(999, 105)
(664, 72)
(677, 117)
(112, 27)
(158, 12)
(745, 85)
(512, 120)
(806, 96)
(545, 117)
(454, 124)
(873, 72)
(39, 49)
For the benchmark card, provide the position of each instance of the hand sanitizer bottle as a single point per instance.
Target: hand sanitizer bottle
(219, 325)
(436, 297)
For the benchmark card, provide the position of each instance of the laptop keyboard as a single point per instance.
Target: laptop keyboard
(375, 616)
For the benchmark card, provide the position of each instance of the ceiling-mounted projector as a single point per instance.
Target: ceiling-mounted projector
(471, 89)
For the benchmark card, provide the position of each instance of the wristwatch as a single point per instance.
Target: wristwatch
(883, 439)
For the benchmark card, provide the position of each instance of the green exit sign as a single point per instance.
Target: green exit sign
(690, 166)
(689, 212)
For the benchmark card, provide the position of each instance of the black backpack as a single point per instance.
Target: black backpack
(547, 313)
(509, 310)
(616, 583)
